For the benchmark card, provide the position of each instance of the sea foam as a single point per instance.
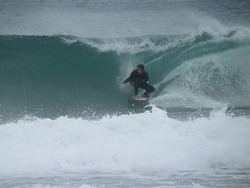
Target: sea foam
(147, 142)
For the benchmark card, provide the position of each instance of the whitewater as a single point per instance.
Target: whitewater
(148, 148)
(66, 122)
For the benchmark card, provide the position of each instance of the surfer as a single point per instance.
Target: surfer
(139, 79)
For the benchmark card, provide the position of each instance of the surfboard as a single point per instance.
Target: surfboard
(141, 98)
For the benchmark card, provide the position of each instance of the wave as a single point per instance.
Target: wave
(53, 76)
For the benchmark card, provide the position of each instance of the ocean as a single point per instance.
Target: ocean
(65, 120)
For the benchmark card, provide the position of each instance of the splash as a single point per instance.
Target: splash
(147, 142)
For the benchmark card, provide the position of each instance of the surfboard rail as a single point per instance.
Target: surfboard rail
(140, 98)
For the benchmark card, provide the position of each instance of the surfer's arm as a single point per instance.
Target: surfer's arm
(130, 78)
(126, 81)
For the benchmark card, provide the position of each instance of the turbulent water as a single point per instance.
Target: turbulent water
(65, 120)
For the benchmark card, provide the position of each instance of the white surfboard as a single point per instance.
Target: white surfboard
(142, 98)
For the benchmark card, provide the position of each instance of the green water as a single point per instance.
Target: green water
(47, 76)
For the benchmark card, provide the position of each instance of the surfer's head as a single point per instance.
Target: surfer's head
(140, 68)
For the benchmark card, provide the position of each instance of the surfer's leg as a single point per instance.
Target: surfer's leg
(136, 88)
(148, 89)
(151, 88)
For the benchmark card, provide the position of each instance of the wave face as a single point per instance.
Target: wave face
(44, 73)
(50, 76)
(61, 75)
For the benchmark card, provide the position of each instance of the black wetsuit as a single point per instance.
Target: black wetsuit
(140, 81)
